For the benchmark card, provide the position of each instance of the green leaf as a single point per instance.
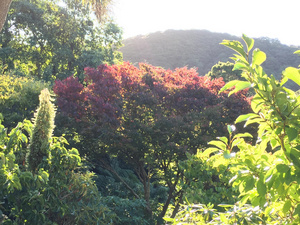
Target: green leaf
(241, 85)
(292, 133)
(293, 74)
(229, 85)
(297, 210)
(219, 144)
(261, 187)
(282, 168)
(169, 219)
(249, 184)
(254, 120)
(249, 42)
(224, 139)
(286, 207)
(297, 52)
(240, 66)
(239, 58)
(243, 135)
(209, 151)
(295, 157)
(283, 81)
(236, 46)
(225, 205)
(245, 117)
(258, 57)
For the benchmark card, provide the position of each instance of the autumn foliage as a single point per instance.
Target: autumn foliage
(147, 116)
(108, 91)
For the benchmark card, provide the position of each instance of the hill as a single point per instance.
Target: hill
(202, 49)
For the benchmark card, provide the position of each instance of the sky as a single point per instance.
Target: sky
(255, 18)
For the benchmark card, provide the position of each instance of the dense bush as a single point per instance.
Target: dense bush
(55, 190)
(19, 97)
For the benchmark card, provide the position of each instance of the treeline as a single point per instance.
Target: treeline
(202, 49)
(45, 40)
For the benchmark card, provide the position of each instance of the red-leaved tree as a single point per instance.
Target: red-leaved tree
(149, 117)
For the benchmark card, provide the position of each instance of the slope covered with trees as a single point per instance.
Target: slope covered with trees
(201, 49)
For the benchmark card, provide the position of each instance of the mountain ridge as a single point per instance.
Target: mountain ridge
(201, 49)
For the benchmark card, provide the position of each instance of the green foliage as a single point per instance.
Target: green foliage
(59, 192)
(267, 178)
(149, 118)
(19, 97)
(128, 211)
(49, 41)
(224, 70)
(207, 184)
(205, 214)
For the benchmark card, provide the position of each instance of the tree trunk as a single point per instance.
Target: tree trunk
(176, 209)
(4, 7)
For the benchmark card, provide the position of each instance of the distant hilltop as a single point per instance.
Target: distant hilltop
(202, 49)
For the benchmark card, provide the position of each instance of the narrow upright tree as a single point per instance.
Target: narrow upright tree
(42, 131)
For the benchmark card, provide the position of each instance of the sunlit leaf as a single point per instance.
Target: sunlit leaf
(229, 85)
(236, 46)
(224, 139)
(244, 135)
(297, 52)
(245, 117)
(240, 66)
(241, 85)
(249, 42)
(209, 151)
(219, 144)
(258, 57)
(293, 74)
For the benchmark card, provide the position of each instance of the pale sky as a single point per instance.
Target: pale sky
(255, 18)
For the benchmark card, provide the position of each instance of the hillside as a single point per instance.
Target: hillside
(201, 49)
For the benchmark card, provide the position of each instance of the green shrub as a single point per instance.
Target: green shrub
(19, 97)
(58, 192)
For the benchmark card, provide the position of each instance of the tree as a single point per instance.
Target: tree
(149, 117)
(224, 70)
(48, 41)
(100, 8)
